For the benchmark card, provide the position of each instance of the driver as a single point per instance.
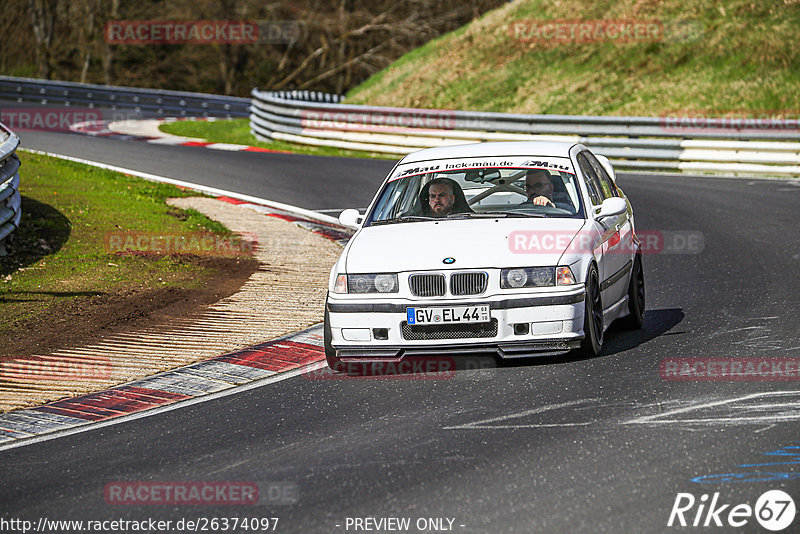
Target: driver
(442, 196)
(441, 199)
(539, 188)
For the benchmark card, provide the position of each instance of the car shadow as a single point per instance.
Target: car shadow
(43, 230)
(656, 323)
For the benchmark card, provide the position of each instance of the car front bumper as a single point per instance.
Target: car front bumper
(531, 324)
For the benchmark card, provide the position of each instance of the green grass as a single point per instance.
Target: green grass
(59, 254)
(728, 55)
(237, 131)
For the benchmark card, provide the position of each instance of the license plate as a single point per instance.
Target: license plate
(449, 315)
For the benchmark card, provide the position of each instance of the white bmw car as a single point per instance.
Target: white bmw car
(518, 249)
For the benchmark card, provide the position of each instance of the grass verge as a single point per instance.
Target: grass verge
(63, 261)
(237, 131)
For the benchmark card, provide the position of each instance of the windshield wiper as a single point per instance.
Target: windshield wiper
(407, 218)
(493, 214)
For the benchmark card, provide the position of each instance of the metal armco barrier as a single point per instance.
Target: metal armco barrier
(10, 200)
(156, 102)
(633, 143)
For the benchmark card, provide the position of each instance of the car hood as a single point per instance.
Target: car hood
(474, 244)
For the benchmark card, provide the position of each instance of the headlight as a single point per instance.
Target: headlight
(386, 283)
(515, 278)
(371, 283)
(527, 277)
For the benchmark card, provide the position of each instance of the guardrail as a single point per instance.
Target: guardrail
(632, 143)
(155, 102)
(10, 200)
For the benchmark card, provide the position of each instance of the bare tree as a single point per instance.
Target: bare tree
(43, 20)
(359, 41)
(231, 58)
(13, 26)
(87, 30)
(342, 42)
(108, 52)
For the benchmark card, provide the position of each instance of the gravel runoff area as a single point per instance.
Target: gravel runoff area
(285, 294)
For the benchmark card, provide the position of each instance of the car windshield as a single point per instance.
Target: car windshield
(466, 189)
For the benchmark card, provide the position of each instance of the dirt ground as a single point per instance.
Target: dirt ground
(86, 320)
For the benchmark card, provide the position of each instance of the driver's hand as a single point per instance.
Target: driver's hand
(543, 201)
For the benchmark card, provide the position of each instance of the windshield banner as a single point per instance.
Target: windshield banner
(454, 165)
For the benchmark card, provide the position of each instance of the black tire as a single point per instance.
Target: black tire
(330, 353)
(636, 294)
(592, 341)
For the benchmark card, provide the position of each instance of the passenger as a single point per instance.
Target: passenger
(539, 189)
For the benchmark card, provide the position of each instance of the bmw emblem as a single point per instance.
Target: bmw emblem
(449, 261)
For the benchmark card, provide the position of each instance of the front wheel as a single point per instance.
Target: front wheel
(635, 318)
(330, 353)
(592, 316)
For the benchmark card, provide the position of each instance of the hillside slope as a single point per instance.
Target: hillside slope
(718, 55)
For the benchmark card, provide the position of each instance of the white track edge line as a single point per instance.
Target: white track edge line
(196, 187)
(94, 425)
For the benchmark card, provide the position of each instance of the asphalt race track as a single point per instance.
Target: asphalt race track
(557, 445)
(313, 182)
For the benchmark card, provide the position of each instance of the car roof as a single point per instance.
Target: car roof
(480, 150)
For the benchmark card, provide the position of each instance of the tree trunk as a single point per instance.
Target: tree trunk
(108, 51)
(43, 19)
(88, 36)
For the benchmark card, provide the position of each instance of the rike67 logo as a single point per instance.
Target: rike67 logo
(774, 510)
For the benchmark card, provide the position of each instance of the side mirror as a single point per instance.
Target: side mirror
(351, 218)
(607, 166)
(612, 207)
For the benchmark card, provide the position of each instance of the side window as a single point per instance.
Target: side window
(382, 207)
(608, 185)
(592, 181)
(396, 199)
(406, 196)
